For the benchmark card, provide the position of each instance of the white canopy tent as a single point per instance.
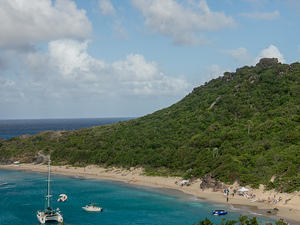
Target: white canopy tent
(243, 189)
(184, 182)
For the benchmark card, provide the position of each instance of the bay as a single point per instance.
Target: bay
(22, 194)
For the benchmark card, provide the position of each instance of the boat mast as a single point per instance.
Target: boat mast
(48, 189)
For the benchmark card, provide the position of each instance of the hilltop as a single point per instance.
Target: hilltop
(243, 126)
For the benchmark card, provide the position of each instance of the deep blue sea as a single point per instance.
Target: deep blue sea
(22, 193)
(12, 128)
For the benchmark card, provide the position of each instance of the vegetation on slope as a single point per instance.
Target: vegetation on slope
(243, 126)
(243, 220)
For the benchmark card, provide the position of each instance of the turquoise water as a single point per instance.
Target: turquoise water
(22, 194)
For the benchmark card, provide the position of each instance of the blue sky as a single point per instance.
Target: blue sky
(113, 58)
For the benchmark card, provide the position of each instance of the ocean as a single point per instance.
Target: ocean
(22, 193)
(13, 128)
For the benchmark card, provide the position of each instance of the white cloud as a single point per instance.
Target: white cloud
(215, 71)
(240, 55)
(182, 23)
(9, 91)
(24, 22)
(3, 63)
(270, 52)
(262, 15)
(68, 71)
(106, 8)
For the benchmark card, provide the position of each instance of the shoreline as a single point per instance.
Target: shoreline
(288, 207)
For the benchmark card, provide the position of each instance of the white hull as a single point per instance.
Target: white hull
(62, 198)
(92, 209)
(44, 218)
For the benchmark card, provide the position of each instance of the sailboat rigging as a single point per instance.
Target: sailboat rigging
(49, 214)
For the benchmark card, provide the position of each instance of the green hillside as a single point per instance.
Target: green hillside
(243, 126)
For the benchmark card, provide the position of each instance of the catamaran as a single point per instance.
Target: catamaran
(49, 214)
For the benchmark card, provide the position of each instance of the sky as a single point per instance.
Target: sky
(129, 58)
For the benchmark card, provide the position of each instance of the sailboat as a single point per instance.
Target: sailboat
(49, 214)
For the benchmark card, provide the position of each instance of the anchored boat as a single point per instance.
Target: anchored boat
(62, 198)
(91, 207)
(49, 214)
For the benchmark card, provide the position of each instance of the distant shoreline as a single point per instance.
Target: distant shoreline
(14, 128)
(289, 210)
(67, 118)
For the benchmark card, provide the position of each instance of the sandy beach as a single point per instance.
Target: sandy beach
(258, 201)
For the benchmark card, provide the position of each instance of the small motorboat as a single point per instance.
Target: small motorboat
(219, 212)
(62, 198)
(91, 207)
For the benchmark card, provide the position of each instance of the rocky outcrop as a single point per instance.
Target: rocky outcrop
(215, 102)
(41, 158)
(24, 136)
(208, 181)
(267, 62)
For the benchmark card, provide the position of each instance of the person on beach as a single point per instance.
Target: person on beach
(227, 195)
